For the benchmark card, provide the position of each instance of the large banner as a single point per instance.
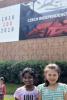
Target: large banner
(9, 23)
(33, 19)
(43, 18)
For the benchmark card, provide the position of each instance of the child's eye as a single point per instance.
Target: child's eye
(49, 74)
(54, 75)
(27, 77)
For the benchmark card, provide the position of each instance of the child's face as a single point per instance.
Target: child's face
(52, 76)
(28, 79)
(1, 82)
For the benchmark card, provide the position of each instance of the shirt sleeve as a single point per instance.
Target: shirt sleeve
(4, 89)
(17, 94)
(36, 93)
(65, 88)
(39, 88)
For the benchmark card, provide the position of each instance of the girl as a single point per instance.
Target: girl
(2, 88)
(52, 89)
(28, 91)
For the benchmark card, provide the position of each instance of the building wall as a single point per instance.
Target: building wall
(4, 3)
(52, 49)
(49, 49)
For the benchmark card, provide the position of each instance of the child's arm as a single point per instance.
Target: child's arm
(40, 97)
(4, 89)
(16, 99)
(40, 91)
(17, 94)
(65, 96)
(65, 91)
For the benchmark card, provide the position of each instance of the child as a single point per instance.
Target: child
(28, 91)
(52, 89)
(2, 88)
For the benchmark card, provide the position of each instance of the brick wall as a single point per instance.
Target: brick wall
(51, 49)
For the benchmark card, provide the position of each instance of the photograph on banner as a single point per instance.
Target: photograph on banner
(43, 18)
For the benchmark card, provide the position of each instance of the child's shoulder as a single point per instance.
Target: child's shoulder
(63, 85)
(40, 86)
(20, 88)
(35, 90)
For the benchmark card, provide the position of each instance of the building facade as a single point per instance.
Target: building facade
(49, 49)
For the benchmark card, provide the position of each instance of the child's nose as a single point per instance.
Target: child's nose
(27, 79)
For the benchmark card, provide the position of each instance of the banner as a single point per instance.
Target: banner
(33, 19)
(9, 23)
(43, 18)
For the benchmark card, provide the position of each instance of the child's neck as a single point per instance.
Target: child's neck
(53, 86)
(29, 87)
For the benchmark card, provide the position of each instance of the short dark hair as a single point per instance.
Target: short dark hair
(28, 70)
(2, 78)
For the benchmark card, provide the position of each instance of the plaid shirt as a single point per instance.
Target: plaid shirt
(57, 94)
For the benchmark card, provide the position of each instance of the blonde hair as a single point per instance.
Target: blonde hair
(52, 66)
